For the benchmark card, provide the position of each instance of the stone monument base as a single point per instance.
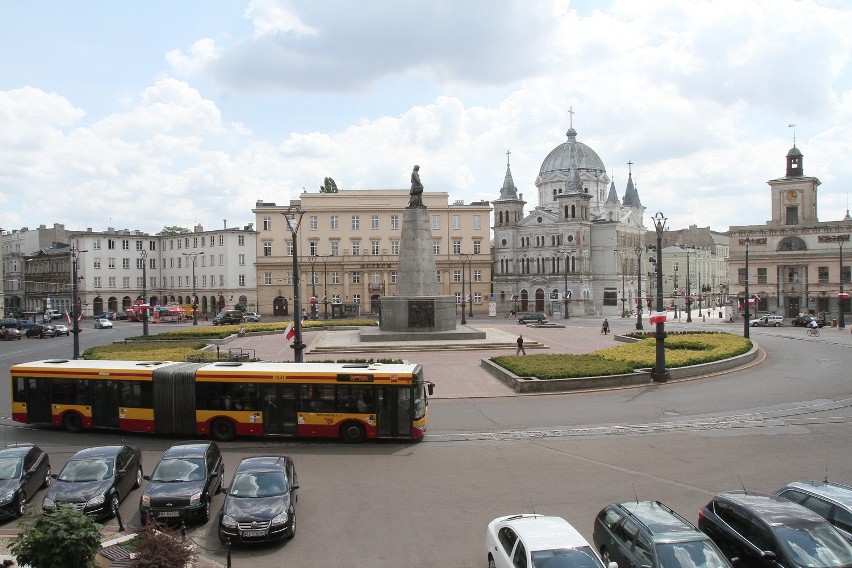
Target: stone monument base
(376, 335)
(418, 313)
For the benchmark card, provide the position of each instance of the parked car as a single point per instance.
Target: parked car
(803, 321)
(183, 483)
(9, 322)
(121, 315)
(41, 331)
(96, 480)
(10, 333)
(251, 316)
(767, 321)
(61, 329)
(765, 530)
(102, 323)
(226, 317)
(260, 502)
(831, 501)
(533, 317)
(23, 471)
(648, 533)
(538, 541)
(105, 315)
(25, 323)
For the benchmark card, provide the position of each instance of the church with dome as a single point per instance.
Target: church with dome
(577, 252)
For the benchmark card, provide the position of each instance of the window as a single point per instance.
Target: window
(846, 274)
(456, 222)
(140, 263)
(335, 277)
(241, 259)
(477, 276)
(823, 274)
(335, 222)
(96, 244)
(152, 263)
(477, 297)
(477, 247)
(761, 276)
(477, 222)
(313, 248)
(374, 222)
(241, 240)
(436, 222)
(111, 282)
(741, 275)
(394, 222)
(375, 278)
(313, 223)
(111, 263)
(194, 242)
(96, 263)
(356, 248)
(289, 247)
(395, 247)
(393, 277)
(456, 275)
(125, 263)
(96, 281)
(125, 244)
(267, 224)
(374, 247)
(792, 215)
(221, 260)
(436, 247)
(221, 240)
(356, 222)
(356, 298)
(610, 297)
(110, 244)
(356, 277)
(267, 278)
(335, 248)
(456, 246)
(267, 249)
(242, 279)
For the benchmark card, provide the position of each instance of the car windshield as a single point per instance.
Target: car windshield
(258, 484)
(10, 468)
(179, 469)
(815, 545)
(693, 554)
(93, 469)
(582, 557)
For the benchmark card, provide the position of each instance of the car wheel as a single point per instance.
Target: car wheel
(605, 556)
(21, 504)
(138, 481)
(47, 479)
(205, 516)
(222, 430)
(113, 505)
(352, 432)
(73, 422)
(293, 525)
(491, 563)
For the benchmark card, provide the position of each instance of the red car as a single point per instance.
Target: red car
(10, 333)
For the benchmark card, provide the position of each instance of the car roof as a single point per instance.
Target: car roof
(541, 532)
(15, 451)
(261, 463)
(834, 491)
(773, 510)
(663, 522)
(187, 450)
(97, 452)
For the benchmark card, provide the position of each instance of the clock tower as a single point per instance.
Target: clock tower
(794, 196)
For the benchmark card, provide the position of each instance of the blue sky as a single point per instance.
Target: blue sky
(142, 115)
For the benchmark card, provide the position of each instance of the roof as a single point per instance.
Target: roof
(658, 518)
(572, 155)
(15, 451)
(835, 491)
(97, 452)
(261, 463)
(773, 510)
(540, 532)
(190, 449)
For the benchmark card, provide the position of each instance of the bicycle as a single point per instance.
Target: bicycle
(813, 332)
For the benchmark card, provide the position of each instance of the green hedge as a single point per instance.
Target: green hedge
(223, 331)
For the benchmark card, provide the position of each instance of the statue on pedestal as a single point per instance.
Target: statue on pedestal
(416, 189)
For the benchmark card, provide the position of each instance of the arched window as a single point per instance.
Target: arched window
(792, 243)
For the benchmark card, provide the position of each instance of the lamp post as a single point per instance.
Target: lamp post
(144, 255)
(75, 302)
(747, 242)
(639, 288)
(325, 286)
(620, 255)
(297, 346)
(470, 287)
(312, 259)
(841, 297)
(193, 255)
(465, 257)
(688, 289)
(660, 373)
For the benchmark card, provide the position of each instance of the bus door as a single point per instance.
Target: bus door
(38, 401)
(394, 412)
(278, 403)
(106, 399)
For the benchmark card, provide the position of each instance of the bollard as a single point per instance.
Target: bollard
(228, 552)
(120, 523)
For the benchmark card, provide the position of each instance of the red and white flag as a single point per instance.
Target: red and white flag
(290, 332)
(657, 317)
(843, 295)
(67, 317)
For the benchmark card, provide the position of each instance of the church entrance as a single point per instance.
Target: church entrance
(539, 300)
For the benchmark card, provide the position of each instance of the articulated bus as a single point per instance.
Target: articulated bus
(349, 401)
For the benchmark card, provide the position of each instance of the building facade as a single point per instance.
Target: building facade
(347, 250)
(578, 251)
(794, 262)
(42, 288)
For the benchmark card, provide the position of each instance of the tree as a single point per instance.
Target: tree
(66, 538)
(161, 548)
(174, 230)
(328, 186)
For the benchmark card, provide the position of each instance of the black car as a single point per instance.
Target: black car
(260, 502)
(96, 480)
(647, 533)
(183, 483)
(533, 317)
(226, 317)
(803, 321)
(764, 530)
(23, 471)
(41, 331)
(105, 315)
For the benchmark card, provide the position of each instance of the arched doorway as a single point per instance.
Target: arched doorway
(203, 304)
(98, 305)
(525, 299)
(112, 304)
(280, 306)
(539, 300)
(125, 303)
(376, 304)
(221, 302)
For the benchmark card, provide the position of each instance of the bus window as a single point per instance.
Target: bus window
(419, 402)
(70, 391)
(317, 398)
(355, 399)
(137, 394)
(20, 392)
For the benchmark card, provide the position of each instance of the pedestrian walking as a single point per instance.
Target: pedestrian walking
(520, 350)
(605, 326)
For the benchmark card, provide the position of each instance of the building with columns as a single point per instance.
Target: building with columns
(579, 248)
(347, 246)
(795, 261)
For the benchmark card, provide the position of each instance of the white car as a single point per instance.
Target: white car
(538, 541)
(102, 323)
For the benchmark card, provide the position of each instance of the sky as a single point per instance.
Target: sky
(142, 115)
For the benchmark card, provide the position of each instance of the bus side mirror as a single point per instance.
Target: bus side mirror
(430, 387)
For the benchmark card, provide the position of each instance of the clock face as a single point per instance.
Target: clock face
(792, 196)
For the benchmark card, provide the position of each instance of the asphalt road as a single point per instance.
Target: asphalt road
(427, 504)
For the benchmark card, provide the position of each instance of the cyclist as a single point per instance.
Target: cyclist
(813, 324)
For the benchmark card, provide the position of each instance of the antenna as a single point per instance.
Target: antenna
(826, 471)
(742, 484)
(532, 505)
(793, 126)
(635, 495)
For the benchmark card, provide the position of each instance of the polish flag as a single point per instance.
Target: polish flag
(67, 317)
(657, 317)
(843, 295)
(290, 332)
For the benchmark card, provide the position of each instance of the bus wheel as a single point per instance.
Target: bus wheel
(222, 430)
(352, 433)
(73, 422)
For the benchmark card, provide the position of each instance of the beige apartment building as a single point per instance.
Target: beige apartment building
(347, 248)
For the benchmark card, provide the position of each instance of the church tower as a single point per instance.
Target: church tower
(509, 209)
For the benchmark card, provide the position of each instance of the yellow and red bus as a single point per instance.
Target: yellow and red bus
(350, 401)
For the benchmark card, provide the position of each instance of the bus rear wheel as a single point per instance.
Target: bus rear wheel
(352, 433)
(222, 430)
(73, 422)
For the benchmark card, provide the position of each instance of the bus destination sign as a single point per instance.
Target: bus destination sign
(354, 378)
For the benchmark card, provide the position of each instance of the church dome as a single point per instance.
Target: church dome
(562, 158)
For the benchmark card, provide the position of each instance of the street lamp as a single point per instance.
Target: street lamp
(144, 255)
(75, 302)
(660, 374)
(841, 297)
(293, 226)
(620, 255)
(465, 257)
(639, 288)
(747, 242)
(193, 256)
(688, 289)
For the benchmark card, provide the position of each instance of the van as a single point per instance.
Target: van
(226, 317)
(50, 315)
(768, 321)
